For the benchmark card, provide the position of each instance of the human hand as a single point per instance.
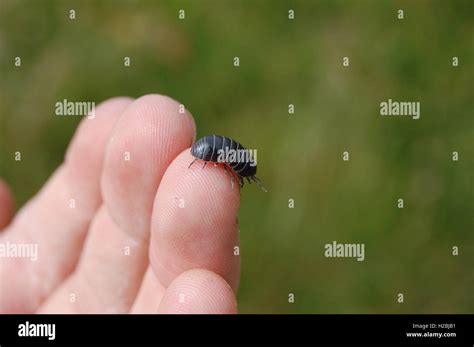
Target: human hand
(123, 225)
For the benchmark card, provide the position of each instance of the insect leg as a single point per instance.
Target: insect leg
(231, 176)
(192, 163)
(226, 170)
(205, 163)
(259, 184)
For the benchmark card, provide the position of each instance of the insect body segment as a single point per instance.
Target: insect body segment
(222, 149)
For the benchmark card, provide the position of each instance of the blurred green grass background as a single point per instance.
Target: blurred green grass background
(300, 155)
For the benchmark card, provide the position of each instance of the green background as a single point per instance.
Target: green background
(282, 62)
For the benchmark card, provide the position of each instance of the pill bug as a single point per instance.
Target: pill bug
(218, 149)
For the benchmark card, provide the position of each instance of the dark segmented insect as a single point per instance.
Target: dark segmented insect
(216, 149)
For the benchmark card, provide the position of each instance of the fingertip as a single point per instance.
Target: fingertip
(206, 182)
(92, 133)
(209, 185)
(198, 291)
(85, 155)
(194, 222)
(151, 132)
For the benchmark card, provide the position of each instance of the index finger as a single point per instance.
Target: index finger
(194, 222)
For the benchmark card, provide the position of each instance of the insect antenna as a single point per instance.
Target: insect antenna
(259, 183)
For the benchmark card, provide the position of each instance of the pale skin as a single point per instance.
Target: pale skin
(123, 226)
